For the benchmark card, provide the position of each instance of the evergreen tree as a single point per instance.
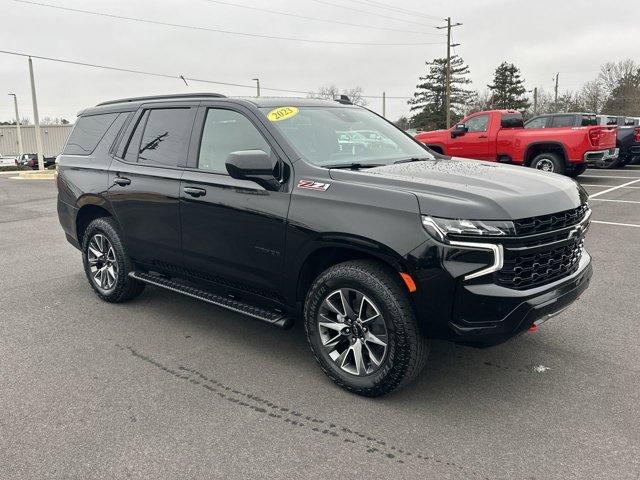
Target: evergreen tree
(508, 91)
(429, 99)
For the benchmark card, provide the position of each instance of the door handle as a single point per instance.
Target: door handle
(482, 136)
(195, 192)
(122, 181)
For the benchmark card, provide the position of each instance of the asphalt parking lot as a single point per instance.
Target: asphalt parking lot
(168, 387)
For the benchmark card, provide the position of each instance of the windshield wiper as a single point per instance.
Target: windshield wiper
(413, 159)
(354, 165)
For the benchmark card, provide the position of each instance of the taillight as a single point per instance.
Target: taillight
(594, 136)
(637, 134)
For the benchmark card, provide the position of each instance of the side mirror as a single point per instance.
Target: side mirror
(459, 130)
(254, 165)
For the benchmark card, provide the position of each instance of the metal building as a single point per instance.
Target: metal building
(53, 139)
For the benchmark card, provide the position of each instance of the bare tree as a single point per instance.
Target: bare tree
(622, 83)
(592, 96)
(355, 94)
(331, 92)
(480, 101)
(612, 74)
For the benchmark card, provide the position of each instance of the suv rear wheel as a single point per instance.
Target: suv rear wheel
(106, 262)
(362, 329)
(548, 162)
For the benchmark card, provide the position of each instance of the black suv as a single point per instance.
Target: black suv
(258, 206)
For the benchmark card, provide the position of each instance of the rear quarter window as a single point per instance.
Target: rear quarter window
(87, 133)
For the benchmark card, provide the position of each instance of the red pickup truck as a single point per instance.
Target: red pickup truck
(499, 136)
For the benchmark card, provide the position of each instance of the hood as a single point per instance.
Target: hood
(475, 190)
(432, 134)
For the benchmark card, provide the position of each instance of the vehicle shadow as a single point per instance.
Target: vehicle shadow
(454, 375)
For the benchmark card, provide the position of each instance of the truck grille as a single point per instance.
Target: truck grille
(548, 223)
(528, 270)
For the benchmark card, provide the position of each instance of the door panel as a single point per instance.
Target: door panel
(144, 187)
(234, 232)
(147, 209)
(475, 143)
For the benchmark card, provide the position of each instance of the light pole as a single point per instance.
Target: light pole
(36, 119)
(257, 80)
(15, 105)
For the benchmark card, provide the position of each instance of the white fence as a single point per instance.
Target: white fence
(53, 139)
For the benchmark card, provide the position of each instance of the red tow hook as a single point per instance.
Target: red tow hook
(533, 328)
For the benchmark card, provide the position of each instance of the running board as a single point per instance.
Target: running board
(269, 316)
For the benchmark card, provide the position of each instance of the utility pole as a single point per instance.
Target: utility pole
(535, 100)
(448, 70)
(36, 119)
(15, 105)
(257, 80)
(555, 102)
(384, 104)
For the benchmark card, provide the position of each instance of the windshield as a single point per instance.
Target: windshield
(331, 136)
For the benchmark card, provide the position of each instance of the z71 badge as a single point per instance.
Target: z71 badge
(311, 185)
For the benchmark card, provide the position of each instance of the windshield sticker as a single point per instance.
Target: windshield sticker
(311, 185)
(282, 113)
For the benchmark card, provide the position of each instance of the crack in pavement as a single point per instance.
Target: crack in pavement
(369, 443)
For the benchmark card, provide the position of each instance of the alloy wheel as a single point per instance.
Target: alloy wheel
(102, 262)
(353, 332)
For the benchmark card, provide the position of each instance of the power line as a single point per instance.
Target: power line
(216, 30)
(304, 17)
(386, 6)
(167, 75)
(386, 17)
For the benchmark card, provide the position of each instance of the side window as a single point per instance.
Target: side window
(165, 140)
(477, 124)
(562, 121)
(131, 152)
(540, 122)
(227, 131)
(87, 133)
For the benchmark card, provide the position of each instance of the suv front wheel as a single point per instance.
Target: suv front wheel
(106, 262)
(362, 329)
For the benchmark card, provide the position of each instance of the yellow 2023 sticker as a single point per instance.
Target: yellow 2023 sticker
(282, 113)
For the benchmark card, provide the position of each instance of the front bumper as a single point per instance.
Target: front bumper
(601, 157)
(489, 314)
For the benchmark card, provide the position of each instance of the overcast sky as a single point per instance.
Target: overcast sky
(542, 37)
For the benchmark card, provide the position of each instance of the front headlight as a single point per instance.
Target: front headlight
(441, 228)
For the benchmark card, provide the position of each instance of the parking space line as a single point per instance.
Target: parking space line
(614, 188)
(603, 186)
(604, 176)
(615, 223)
(610, 200)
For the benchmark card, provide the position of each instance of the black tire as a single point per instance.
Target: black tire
(623, 161)
(576, 170)
(407, 349)
(548, 162)
(124, 287)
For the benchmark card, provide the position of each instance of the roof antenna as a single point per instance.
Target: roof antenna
(344, 99)
(184, 80)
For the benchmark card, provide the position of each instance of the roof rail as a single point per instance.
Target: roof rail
(162, 97)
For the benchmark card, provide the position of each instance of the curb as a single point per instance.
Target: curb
(36, 175)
